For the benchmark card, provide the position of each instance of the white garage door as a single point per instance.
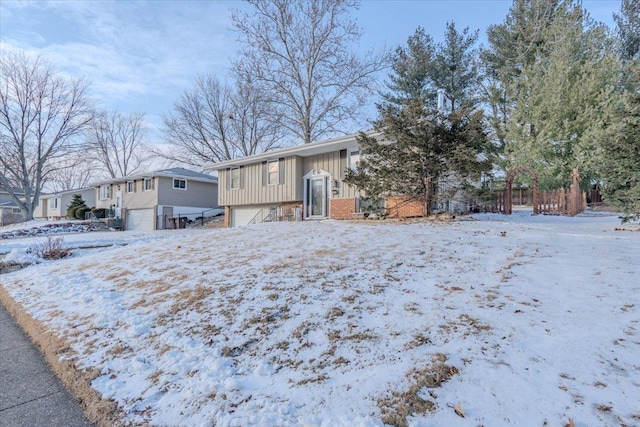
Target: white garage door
(242, 216)
(140, 219)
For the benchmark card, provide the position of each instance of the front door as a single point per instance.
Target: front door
(317, 197)
(117, 207)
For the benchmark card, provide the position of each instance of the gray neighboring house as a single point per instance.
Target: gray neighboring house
(10, 213)
(53, 206)
(154, 200)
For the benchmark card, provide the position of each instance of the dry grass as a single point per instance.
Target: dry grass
(101, 412)
(403, 404)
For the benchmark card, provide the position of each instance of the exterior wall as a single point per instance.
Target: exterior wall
(227, 216)
(41, 208)
(139, 199)
(106, 204)
(253, 192)
(399, 207)
(342, 208)
(197, 194)
(57, 212)
(8, 216)
(336, 166)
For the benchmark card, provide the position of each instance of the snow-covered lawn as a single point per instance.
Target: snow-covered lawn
(514, 320)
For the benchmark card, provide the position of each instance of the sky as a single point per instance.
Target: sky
(140, 56)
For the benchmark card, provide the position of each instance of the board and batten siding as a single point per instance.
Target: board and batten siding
(336, 164)
(252, 190)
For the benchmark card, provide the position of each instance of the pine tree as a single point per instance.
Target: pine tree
(420, 146)
(621, 159)
(77, 207)
(555, 71)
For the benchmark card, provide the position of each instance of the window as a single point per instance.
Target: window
(16, 210)
(234, 178)
(147, 184)
(354, 158)
(131, 186)
(179, 184)
(105, 192)
(53, 203)
(273, 172)
(370, 206)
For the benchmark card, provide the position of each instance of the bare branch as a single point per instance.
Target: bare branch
(42, 116)
(116, 140)
(300, 54)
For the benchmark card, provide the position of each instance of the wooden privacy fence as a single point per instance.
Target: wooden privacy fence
(563, 202)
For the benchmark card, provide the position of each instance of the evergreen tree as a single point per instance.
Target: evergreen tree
(514, 46)
(77, 207)
(411, 79)
(628, 29)
(420, 145)
(558, 91)
(621, 157)
(628, 38)
(455, 68)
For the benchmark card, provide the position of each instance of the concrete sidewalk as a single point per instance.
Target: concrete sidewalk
(30, 394)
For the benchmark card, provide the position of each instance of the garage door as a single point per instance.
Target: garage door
(242, 216)
(140, 219)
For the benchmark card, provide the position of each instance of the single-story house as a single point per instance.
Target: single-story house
(293, 183)
(154, 200)
(53, 206)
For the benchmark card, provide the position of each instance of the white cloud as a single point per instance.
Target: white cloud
(129, 51)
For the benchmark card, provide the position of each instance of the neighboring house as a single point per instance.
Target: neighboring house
(301, 182)
(10, 213)
(151, 201)
(53, 206)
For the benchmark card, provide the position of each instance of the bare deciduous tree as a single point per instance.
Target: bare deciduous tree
(212, 122)
(42, 116)
(302, 54)
(72, 172)
(116, 141)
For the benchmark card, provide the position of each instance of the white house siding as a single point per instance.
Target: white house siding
(253, 192)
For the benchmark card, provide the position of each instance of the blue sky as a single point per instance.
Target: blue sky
(139, 56)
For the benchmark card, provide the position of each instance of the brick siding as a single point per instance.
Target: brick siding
(342, 208)
(399, 207)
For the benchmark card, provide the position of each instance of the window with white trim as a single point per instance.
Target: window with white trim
(354, 158)
(131, 186)
(53, 203)
(105, 192)
(147, 184)
(179, 184)
(273, 172)
(234, 178)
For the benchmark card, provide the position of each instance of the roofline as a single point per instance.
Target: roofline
(153, 174)
(60, 193)
(313, 148)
